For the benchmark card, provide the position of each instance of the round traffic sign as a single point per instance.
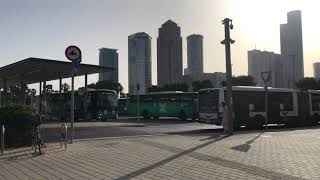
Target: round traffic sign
(73, 53)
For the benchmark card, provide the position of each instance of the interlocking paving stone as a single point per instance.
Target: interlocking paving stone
(292, 154)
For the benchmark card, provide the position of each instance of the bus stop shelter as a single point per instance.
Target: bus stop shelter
(37, 70)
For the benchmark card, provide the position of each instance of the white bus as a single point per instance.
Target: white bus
(249, 106)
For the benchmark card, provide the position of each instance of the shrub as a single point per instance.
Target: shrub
(19, 122)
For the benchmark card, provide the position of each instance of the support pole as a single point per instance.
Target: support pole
(266, 76)
(44, 97)
(2, 139)
(23, 92)
(86, 96)
(60, 84)
(40, 97)
(266, 101)
(72, 106)
(86, 82)
(5, 90)
(64, 135)
(0, 98)
(227, 42)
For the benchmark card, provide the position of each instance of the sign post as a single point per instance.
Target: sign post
(73, 53)
(138, 113)
(266, 76)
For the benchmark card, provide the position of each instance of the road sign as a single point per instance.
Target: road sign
(75, 66)
(73, 53)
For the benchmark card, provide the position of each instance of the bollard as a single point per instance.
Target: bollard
(64, 135)
(2, 139)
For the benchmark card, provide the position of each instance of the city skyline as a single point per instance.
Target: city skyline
(195, 54)
(169, 54)
(139, 60)
(43, 36)
(109, 57)
(287, 68)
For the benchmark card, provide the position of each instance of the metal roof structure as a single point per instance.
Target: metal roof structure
(34, 70)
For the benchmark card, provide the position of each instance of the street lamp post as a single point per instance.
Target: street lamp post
(294, 74)
(227, 42)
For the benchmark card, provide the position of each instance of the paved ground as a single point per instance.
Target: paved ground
(127, 127)
(187, 153)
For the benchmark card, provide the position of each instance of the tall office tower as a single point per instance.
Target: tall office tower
(195, 55)
(316, 70)
(109, 58)
(169, 54)
(139, 60)
(292, 47)
(264, 61)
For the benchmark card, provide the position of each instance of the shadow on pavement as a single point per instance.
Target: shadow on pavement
(169, 159)
(246, 146)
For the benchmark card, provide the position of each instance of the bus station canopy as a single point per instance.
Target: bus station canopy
(34, 70)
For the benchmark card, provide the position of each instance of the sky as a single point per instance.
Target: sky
(44, 28)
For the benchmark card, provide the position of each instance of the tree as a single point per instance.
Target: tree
(17, 91)
(107, 85)
(92, 85)
(65, 87)
(197, 85)
(32, 92)
(169, 87)
(123, 95)
(154, 88)
(308, 84)
(241, 81)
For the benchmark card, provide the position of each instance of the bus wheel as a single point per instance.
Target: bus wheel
(315, 119)
(194, 117)
(145, 114)
(183, 115)
(236, 126)
(256, 122)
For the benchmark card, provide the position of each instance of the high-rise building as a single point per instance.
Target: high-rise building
(139, 60)
(292, 47)
(316, 70)
(195, 54)
(264, 61)
(109, 58)
(169, 54)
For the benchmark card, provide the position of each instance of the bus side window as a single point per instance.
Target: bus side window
(281, 107)
(251, 107)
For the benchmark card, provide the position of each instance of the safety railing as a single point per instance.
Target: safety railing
(64, 135)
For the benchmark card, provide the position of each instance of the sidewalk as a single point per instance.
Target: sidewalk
(292, 154)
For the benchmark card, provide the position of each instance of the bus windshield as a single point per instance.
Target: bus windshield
(209, 101)
(106, 100)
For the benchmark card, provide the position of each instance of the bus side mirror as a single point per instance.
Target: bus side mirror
(251, 107)
(281, 107)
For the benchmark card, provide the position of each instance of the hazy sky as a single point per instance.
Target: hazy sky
(44, 28)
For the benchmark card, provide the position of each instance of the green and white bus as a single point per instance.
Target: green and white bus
(100, 104)
(165, 104)
(123, 106)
